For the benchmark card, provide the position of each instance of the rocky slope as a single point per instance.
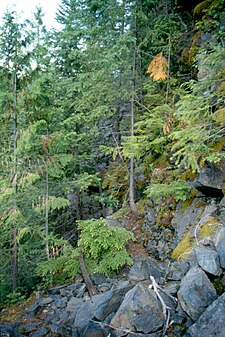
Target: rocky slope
(177, 289)
(152, 299)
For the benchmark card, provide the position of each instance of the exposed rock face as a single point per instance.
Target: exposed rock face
(196, 293)
(211, 322)
(210, 180)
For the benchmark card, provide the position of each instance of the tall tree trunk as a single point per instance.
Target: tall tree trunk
(14, 261)
(131, 182)
(46, 212)
(14, 181)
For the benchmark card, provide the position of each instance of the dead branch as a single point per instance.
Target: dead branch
(86, 277)
(165, 308)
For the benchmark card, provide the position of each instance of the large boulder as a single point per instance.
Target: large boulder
(211, 322)
(140, 311)
(208, 260)
(100, 306)
(196, 292)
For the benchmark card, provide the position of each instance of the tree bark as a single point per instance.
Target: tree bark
(14, 261)
(15, 167)
(86, 277)
(131, 182)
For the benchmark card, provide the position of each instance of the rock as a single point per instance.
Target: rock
(54, 327)
(10, 330)
(142, 270)
(158, 240)
(208, 260)
(196, 293)
(140, 311)
(104, 287)
(33, 309)
(219, 241)
(61, 302)
(40, 332)
(38, 305)
(74, 304)
(177, 270)
(95, 329)
(157, 334)
(31, 327)
(211, 322)
(101, 306)
(56, 290)
(99, 279)
(43, 301)
(171, 288)
(210, 180)
(185, 218)
(222, 203)
(75, 289)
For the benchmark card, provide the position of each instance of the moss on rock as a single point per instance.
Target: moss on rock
(183, 248)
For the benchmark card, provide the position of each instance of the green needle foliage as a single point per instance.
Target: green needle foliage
(103, 247)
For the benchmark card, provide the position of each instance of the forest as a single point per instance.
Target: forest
(123, 103)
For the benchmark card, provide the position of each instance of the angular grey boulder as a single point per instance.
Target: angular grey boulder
(196, 293)
(211, 322)
(140, 311)
(208, 260)
(101, 306)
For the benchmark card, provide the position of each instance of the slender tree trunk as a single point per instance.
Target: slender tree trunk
(168, 70)
(14, 264)
(46, 213)
(47, 219)
(15, 168)
(131, 182)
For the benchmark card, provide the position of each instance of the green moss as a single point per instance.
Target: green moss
(163, 160)
(221, 88)
(121, 212)
(188, 175)
(142, 204)
(195, 45)
(219, 116)
(183, 248)
(185, 56)
(164, 217)
(219, 145)
(187, 203)
(201, 8)
(209, 228)
(219, 285)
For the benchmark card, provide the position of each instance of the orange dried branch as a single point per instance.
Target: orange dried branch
(158, 68)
